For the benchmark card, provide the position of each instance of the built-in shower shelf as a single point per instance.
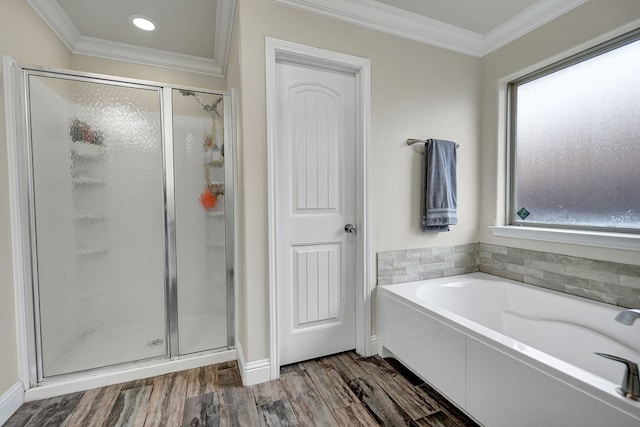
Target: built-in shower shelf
(86, 169)
(88, 181)
(89, 218)
(92, 252)
(219, 245)
(86, 150)
(216, 163)
(215, 213)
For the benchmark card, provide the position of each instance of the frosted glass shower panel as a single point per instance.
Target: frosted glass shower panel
(98, 204)
(199, 162)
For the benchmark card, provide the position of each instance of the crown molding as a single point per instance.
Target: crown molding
(225, 11)
(146, 56)
(52, 13)
(60, 23)
(528, 20)
(388, 19)
(368, 13)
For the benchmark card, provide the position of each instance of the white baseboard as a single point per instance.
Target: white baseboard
(10, 401)
(383, 352)
(253, 372)
(260, 371)
(373, 349)
(57, 387)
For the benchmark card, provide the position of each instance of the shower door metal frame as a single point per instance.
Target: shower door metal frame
(171, 257)
(170, 216)
(27, 230)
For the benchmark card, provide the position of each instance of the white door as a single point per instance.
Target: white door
(315, 200)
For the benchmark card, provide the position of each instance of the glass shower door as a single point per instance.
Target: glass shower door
(99, 233)
(201, 220)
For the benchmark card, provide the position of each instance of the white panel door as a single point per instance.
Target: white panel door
(315, 199)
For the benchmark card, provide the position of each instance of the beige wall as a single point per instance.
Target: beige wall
(418, 91)
(25, 38)
(593, 22)
(8, 350)
(92, 64)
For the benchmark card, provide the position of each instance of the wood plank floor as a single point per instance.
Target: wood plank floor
(339, 390)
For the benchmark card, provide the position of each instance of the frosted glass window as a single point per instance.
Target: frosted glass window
(576, 142)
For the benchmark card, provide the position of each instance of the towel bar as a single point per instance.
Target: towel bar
(411, 141)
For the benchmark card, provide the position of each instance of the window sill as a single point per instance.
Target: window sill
(601, 239)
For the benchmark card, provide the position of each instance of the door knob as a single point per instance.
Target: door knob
(350, 228)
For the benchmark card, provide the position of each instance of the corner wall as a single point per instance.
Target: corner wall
(234, 81)
(25, 38)
(589, 24)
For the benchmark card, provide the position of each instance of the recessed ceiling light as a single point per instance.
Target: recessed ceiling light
(142, 22)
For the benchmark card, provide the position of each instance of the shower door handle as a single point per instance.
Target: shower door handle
(350, 228)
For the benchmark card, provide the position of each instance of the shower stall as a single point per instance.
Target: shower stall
(127, 195)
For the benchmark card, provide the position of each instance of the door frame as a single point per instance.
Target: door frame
(360, 68)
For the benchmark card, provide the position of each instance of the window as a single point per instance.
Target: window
(575, 141)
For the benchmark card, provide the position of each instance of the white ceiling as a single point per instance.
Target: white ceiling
(184, 26)
(480, 16)
(193, 35)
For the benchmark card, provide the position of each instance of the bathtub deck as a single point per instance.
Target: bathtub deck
(338, 390)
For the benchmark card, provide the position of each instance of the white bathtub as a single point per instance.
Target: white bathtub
(510, 354)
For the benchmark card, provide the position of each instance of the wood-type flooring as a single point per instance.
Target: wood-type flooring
(339, 390)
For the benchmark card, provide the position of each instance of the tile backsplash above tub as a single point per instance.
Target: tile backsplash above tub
(426, 263)
(609, 282)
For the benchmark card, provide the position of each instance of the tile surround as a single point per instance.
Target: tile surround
(608, 282)
(426, 263)
(603, 281)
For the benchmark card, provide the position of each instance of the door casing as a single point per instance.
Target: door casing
(283, 51)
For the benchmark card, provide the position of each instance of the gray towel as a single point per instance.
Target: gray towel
(439, 192)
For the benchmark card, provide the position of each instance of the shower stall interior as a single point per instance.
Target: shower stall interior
(128, 196)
